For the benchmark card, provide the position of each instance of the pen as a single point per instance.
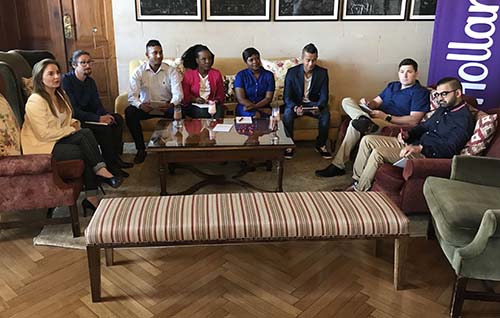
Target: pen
(240, 119)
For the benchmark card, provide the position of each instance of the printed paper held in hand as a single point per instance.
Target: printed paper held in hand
(401, 162)
(243, 120)
(96, 123)
(223, 127)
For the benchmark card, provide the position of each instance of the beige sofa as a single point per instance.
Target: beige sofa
(306, 128)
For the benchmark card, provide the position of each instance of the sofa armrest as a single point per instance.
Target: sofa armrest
(487, 229)
(478, 170)
(70, 169)
(25, 165)
(121, 102)
(425, 167)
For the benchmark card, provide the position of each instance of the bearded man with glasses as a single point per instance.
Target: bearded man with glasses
(442, 136)
(88, 109)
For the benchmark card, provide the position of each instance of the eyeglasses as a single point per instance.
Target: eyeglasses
(442, 94)
(86, 62)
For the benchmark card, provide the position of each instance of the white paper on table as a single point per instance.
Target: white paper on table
(201, 105)
(223, 127)
(244, 120)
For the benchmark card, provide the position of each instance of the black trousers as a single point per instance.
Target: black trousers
(197, 112)
(81, 145)
(109, 139)
(133, 117)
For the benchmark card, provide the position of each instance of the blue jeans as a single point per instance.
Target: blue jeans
(323, 123)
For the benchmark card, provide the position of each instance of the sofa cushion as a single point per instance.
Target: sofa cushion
(230, 96)
(482, 136)
(279, 69)
(455, 208)
(9, 130)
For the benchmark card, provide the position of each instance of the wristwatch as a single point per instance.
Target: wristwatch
(388, 118)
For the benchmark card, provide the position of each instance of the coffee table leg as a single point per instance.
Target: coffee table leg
(279, 168)
(163, 175)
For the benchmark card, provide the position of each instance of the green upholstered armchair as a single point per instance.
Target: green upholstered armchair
(466, 216)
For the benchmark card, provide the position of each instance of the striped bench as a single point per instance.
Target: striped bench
(241, 217)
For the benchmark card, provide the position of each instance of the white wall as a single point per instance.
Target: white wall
(361, 56)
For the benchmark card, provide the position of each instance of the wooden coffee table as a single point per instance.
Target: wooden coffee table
(182, 144)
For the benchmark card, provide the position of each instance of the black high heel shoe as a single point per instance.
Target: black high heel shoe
(87, 205)
(113, 182)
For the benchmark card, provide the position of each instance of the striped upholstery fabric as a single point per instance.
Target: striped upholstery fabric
(244, 216)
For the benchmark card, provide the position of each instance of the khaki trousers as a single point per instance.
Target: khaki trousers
(373, 152)
(352, 136)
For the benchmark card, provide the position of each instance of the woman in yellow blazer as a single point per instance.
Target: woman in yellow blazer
(49, 128)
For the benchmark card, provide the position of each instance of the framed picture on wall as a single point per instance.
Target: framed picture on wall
(306, 10)
(422, 9)
(238, 10)
(374, 10)
(175, 10)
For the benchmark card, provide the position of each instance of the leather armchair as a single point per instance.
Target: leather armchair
(34, 182)
(466, 216)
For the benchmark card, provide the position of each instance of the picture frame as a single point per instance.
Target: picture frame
(422, 10)
(238, 10)
(169, 10)
(380, 10)
(306, 10)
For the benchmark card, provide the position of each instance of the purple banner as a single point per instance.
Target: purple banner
(466, 45)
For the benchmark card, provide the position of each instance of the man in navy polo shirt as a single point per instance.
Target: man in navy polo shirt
(401, 103)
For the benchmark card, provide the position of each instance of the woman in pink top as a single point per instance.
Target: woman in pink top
(201, 83)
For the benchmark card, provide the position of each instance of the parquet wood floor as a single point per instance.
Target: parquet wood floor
(300, 279)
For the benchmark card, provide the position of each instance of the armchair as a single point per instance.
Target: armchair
(466, 215)
(404, 186)
(33, 182)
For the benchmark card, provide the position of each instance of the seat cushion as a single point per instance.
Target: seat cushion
(244, 216)
(457, 207)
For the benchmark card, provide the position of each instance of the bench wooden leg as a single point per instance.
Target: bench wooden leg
(75, 221)
(108, 252)
(94, 260)
(400, 250)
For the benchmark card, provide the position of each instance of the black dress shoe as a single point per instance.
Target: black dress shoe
(330, 171)
(364, 125)
(113, 182)
(123, 164)
(140, 156)
(87, 205)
